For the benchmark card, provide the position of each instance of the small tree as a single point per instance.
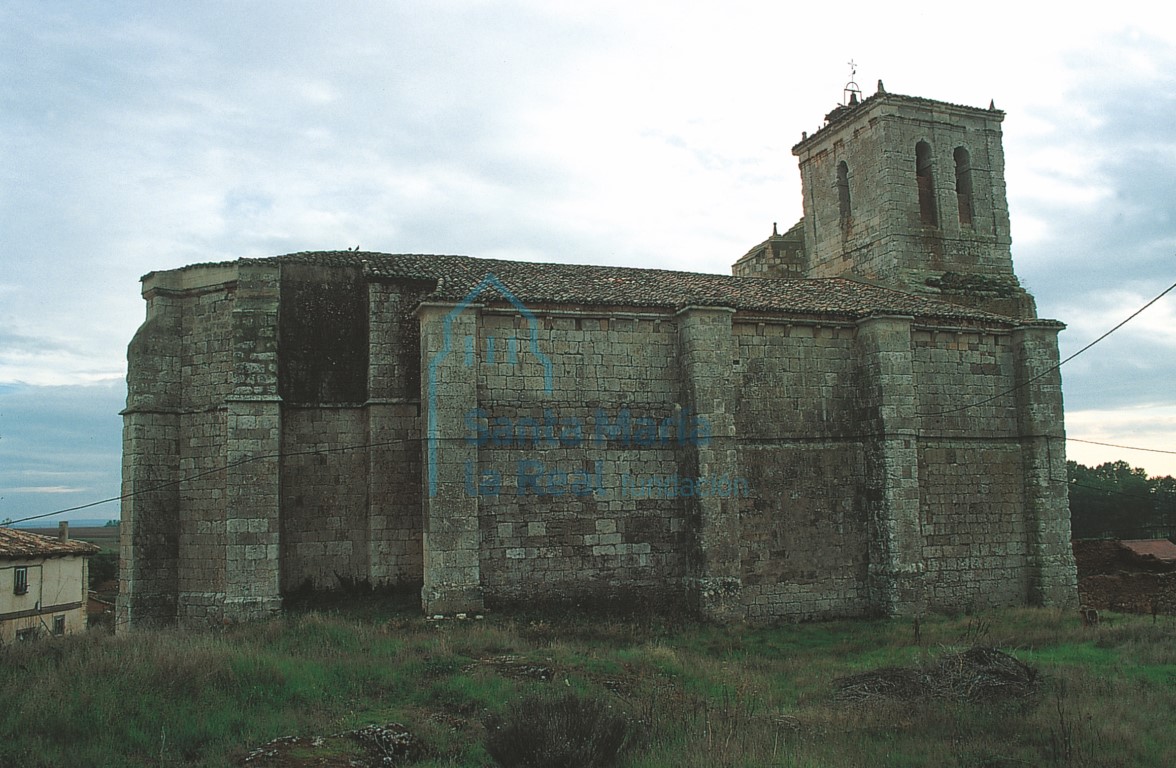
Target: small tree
(103, 568)
(1117, 500)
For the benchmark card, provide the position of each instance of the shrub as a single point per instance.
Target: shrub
(568, 730)
(103, 567)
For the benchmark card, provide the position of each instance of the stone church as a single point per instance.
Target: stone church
(864, 419)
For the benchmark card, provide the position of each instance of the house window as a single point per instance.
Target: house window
(927, 212)
(843, 193)
(59, 625)
(963, 169)
(26, 634)
(20, 582)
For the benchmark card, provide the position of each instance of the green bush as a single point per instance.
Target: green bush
(103, 567)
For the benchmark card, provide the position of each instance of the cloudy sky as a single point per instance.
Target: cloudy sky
(145, 136)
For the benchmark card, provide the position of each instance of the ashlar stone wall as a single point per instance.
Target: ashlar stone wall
(804, 531)
(566, 511)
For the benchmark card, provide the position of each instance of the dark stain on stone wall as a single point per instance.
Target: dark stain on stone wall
(324, 350)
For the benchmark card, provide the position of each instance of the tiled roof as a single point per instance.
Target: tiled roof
(22, 544)
(579, 284)
(1161, 549)
(794, 235)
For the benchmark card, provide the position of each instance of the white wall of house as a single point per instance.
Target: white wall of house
(54, 600)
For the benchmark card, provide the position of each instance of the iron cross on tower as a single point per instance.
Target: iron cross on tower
(852, 94)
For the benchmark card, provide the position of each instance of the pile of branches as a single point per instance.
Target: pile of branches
(977, 675)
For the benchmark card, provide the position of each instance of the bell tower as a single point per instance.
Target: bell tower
(910, 193)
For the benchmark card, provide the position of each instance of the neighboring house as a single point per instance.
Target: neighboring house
(1154, 552)
(42, 584)
(96, 607)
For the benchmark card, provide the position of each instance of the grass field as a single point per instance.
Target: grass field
(689, 694)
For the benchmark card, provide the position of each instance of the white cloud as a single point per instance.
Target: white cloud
(1154, 327)
(1150, 426)
(51, 489)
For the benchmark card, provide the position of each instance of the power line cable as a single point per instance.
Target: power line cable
(1156, 497)
(364, 446)
(1116, 445)
(380, 444)
(1053, 368)
(230, 465)
(340, 449)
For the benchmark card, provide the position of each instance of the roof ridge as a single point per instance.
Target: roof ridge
(574, 283)
(21, 544)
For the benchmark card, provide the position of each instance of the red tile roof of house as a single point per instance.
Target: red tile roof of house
(22, 544)
(1161, 549)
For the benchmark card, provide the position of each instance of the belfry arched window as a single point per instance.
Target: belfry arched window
(927, 213)
(963, 171)
(843, 193)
